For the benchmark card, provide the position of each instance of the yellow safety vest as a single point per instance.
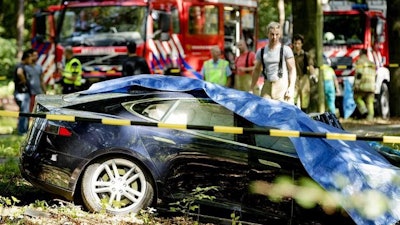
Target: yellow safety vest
(73, 68)
(216, 73)
(365, 75)
(328, 72)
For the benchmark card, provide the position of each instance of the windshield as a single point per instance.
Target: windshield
(102, 26)
(343, 29)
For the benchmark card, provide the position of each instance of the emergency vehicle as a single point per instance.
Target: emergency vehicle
(174, 36)
(350, 27)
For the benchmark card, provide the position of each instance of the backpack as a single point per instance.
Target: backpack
(280, 70)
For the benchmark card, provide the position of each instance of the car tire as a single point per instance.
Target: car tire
(383, 108)
(117, 185)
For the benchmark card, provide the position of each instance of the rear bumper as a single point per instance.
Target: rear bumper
(36, 178)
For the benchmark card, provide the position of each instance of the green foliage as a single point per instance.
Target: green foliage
(9, 32)
(147, 216)
(8, 51)
(6, 201)
(9, 15)
(9, 145)
(308, 194)
(39, 204)
(235, 219)
(187, 205)
(8, 169)
(268, 12)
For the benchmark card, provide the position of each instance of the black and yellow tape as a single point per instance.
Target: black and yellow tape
(343, 67)
(220, 129)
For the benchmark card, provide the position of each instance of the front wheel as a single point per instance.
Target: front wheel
(118, 185)
(383, 108)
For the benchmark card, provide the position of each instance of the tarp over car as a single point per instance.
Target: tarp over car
(358, 166)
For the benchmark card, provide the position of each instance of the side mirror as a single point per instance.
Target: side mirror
(164, 36)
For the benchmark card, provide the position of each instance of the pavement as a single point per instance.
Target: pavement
(377, 127)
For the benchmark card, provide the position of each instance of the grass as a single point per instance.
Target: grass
(7, 124)
(9, 146)
(21, 203)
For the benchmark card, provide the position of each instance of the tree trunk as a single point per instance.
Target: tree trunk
(1, 12)
(308, 21)
(20, 27)
(393, 19)
(281, 10)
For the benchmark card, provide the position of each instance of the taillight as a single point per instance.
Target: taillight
(58, 130)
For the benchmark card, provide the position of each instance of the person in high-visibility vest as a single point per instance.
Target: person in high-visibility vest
(217, 70)
(72, 73)
(364, 85)
(331, 85)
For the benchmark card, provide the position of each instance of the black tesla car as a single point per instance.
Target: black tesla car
(123, 168)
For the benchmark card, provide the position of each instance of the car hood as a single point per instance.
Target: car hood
(346, 167)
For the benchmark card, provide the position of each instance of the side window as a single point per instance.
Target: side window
(154, 110)
(175, 21)
(42, 26)
(203, 20)
(68, 24)
(211, 24)
(205, 113)
(186, 111)
(196, 21)
(282, 144)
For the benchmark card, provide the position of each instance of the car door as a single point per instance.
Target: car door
(189, 158)
(271, 161)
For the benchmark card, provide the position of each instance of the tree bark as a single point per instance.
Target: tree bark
(308, 21)
(393, 22)
(281, 10)
(20, 27)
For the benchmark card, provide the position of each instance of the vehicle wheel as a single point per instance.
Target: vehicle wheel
(119, 186)
(383, 102)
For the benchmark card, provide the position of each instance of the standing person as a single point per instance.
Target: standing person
(134, 64)
(244, 65)
(364, 85)
(21, 92)
(72, 73)
(276, 62)
(217, 70)
(331, 85)
(35, 77)
(304, 68)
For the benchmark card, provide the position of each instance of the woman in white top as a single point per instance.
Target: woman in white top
(276, 86)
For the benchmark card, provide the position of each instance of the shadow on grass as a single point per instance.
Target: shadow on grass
(13, 185)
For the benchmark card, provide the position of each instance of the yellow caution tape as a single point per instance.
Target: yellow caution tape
(172, 126)
(116, 122)
(345, 137)
(231, 130)
(284, 133)
(60, 117)
(220, 129)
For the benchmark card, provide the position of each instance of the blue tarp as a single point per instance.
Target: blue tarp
(346, 167)
(349, 105)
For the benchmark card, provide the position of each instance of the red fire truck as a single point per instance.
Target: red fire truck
(349, 27)
(168, 33)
